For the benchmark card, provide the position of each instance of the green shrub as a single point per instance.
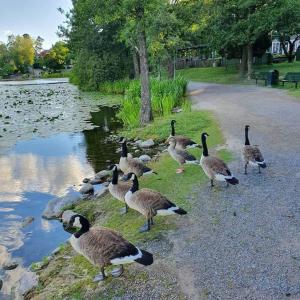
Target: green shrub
(165, 95)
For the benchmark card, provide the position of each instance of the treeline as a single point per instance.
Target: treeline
(22, 53)
(110, 40)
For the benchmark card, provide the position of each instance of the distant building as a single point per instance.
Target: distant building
(276, 47)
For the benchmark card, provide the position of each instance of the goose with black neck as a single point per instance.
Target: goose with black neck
(129, 164)
(149, 203)
(214, 167)
(252, 154)
(104, 247)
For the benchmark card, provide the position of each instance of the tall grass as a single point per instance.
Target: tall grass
(165, 95)
(114, 87)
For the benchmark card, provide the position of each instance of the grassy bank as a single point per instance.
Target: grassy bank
(62, 74)
(230, 75)
(70, 275)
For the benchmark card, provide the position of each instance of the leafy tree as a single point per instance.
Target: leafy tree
(96, 49)
(7, 66)
(57, 57)
(22, 51)
(287, 26)
(239, 24)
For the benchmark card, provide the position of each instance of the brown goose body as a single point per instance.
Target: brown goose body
(181, 156)
(104, 247)
(129, 164)
(251, 154)
(182, 142)
(101, 246)
(116, 188)
(149, 202)
(214, 167)
(119, 190)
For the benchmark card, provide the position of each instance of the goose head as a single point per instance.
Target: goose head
(122, 140)
(79, 221)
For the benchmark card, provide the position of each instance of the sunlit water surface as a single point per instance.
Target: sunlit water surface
(51, 137)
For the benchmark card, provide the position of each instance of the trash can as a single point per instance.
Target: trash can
(273, 78)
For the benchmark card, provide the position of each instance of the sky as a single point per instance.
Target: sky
(35, 17)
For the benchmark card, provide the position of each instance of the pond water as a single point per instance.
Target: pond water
(51, 137)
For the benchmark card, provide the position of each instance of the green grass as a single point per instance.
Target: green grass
(106, 211)
(165, 95)
(295, 93)
(231, 75)
(216, 75)
(62, 74)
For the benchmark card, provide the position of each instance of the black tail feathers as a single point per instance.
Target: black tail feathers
(232, 181)
(180, 211)
(146, 259)
(263, 165)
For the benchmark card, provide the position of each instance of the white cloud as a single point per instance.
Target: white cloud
(7, 32)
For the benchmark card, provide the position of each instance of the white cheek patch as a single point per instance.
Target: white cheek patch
(77, 223)
(132, 177)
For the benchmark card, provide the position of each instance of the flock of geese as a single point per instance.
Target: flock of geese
(104, 247)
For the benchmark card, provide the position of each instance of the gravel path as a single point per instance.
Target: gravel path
(243, 242)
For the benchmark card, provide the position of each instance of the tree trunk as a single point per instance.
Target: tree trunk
(250, 60)
(136, 64)
(170, 68)
(243, 66)
(146, 111)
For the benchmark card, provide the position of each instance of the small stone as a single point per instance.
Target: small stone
(102, 174)
(10, 265)
(26, 221)
(176, 110)
(101, 192)
(86, 180)
(147, 144)
(66, 216)
(28, 281)
(96, 181)
(55, 251)
(145, 158)
(87, 188)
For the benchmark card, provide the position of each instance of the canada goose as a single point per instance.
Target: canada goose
(104, 247)
(128, 164)
(252, 154)
(214, 167)
(182, 142)
(149, 203)
(118, 189)
(181, 156)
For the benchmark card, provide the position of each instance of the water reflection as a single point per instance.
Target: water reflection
(35, 170)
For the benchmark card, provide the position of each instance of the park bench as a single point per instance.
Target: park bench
(291, 77)
(260, 76)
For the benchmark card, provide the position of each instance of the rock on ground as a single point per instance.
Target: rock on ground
(145, 158)
(55, 206)
(28, 281)
(87, 189)
(101, 192)
(66, 216)
(10, 265)
(145, 144)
